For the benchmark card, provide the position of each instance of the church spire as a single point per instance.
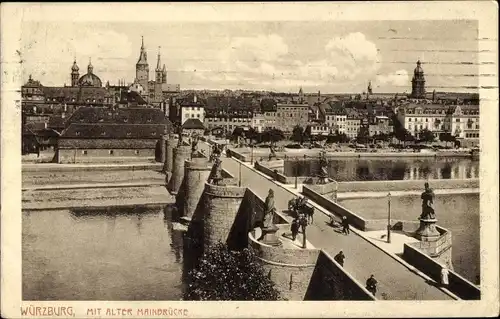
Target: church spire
(158, 64)
(143, 57)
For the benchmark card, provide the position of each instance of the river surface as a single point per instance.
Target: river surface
(458, 213)
(388, 168)
(123, 254)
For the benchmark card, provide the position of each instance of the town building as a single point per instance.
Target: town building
(95, 134)
(353, 123)
(288, 116)
(192, 127)
(192, 110)
(336, 120)
(258, 122)
(380, 125)
(461, 121)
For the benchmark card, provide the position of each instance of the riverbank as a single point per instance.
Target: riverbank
(95, 197)
(87, 175)
(245, 153)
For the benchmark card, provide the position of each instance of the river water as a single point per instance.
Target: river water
(134, 254)
(458, 213)
(388, 168)
(119, 254)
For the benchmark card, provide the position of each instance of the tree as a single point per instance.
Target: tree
(363, 135)
(426, 136)
(298, 134)
(447, 137)
(230, 275)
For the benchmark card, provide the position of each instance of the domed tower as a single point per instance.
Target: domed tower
(142, 67)
(418, 82)
(90, 67)
(369, 88)
(75, 75)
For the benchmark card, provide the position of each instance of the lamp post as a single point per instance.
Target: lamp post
(251, 161)
(296, 171)
(239, 175)
(389, 218)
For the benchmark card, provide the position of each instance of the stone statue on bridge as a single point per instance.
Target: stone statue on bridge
(216, 152)
(427, 203)
(179, 131)
(216, 176)
(272, 150)
(194, 144)
(269, 210)
(323, 164)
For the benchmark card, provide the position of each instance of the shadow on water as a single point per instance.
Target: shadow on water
(113, 210)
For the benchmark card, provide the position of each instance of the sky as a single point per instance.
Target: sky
(326, 56)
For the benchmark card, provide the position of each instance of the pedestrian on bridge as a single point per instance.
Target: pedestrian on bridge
(345, 225)
(444, 276)
(295, 228)
(371, 285)
(340, 258)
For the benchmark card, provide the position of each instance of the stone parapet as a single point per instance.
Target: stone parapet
(289, 268)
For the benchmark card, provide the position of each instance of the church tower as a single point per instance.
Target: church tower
(301, 96)
(142, 68)
(158, 74)
(418, 83)
(158, 80)
(370, 88)
(74, 74)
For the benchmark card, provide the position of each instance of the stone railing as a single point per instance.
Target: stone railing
(354, 219)
(406, 185)
(330, 281)
(458, 285)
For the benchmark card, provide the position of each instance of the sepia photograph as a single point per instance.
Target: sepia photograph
(195, 156)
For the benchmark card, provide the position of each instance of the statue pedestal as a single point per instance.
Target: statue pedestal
(269, 236)
(427, 230)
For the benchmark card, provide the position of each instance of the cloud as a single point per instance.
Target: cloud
(51, 49)
(267, 59)
(399, 78)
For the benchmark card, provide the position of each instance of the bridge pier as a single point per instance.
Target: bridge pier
(181, 154)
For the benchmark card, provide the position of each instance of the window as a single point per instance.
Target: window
(84, 152)
(111, 152)
(457, 120)
(77, 133)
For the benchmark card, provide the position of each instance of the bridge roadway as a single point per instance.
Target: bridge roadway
(395, 281)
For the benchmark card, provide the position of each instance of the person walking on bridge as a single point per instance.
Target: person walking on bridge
(340, 258)
(295, 228)
(371, 285)
(345, 225)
